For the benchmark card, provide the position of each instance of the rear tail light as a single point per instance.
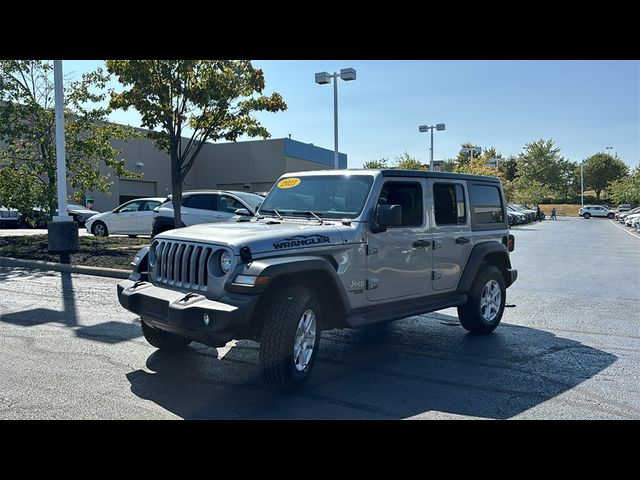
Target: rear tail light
(511, 243)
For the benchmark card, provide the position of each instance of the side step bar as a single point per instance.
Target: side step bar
(399, 310)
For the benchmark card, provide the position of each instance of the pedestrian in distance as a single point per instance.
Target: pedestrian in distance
(553, 214)
(538, 213)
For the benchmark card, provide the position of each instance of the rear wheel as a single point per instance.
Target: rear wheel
(164, 340)
(587, 216)
(99, 229)
(483, 311)
(290, 338)
(610, 215)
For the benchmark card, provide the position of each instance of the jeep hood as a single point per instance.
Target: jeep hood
(260, 237)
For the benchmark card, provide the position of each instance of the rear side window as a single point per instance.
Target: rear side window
(203, 202)
(448, 204)
(487, 204)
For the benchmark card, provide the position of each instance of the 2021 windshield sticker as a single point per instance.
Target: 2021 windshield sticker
(289, 182)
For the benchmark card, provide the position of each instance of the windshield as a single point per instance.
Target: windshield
(250, 199)
(329, 196)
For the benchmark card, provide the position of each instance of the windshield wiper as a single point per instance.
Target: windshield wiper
(273, 211)
(316, 216)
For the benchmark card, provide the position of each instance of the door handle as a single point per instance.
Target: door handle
(461, 240)
(421, 243)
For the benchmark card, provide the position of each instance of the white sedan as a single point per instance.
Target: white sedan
(131, 218)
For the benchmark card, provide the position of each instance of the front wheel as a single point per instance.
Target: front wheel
(290, 338)
(99, 229)
(587, 216)
(483, 311)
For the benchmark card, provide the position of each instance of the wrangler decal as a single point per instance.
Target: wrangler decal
(300, 241)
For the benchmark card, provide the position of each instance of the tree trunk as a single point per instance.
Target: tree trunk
(176, 187)
(597, 193)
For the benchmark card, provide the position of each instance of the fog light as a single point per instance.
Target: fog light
(205, 318)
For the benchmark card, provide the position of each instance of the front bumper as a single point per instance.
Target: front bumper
(183, 314)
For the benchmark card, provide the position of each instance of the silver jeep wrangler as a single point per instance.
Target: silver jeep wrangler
(328, 249)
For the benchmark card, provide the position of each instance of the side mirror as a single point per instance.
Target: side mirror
(243, 211)
(387, 216)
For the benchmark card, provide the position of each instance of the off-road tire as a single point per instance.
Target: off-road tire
(470, 314)
(164, 340)
(278, 335)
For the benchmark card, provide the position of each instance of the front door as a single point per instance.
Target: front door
(451, 228)
(125, 220)
(398, 260)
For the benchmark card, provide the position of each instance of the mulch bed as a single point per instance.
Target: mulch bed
(109, 252)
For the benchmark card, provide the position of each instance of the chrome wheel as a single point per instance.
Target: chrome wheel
(490, 300)
(305, 340)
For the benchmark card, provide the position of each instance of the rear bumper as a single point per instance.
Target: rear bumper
(174, 312)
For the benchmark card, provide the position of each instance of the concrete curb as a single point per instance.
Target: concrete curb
(60, 267)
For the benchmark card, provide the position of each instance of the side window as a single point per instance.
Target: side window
(487, 205)
(228, 204)
(149, 205)
(132, 207)
(203, 201)
(409, 196)
(448, 204)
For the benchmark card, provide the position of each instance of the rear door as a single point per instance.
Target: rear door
(145, 215)
(199, 208)
(451, 231)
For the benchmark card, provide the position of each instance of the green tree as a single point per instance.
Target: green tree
(407, 162)
(212, 99)
(448, 165)
(376, 164)
(601, 169)
(627, 189)
(540, 162)
(27, 135)
(530, 191)
(509, 168)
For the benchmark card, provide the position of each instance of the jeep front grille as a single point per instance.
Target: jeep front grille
(181, 264)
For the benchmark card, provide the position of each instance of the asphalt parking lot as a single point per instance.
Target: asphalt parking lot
(568, 349)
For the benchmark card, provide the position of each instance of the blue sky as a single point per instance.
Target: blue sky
(584, 105)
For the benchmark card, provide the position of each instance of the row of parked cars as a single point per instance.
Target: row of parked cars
(629, 217)
(11, 217)
(519, 214)
(153, 215)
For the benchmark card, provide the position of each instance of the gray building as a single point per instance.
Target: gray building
(251, 166)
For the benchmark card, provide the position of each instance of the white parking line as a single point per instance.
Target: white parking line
(624, 230)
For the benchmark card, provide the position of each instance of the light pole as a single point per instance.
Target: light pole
(581, 184)
(322, 78)
(423, 129)
(471, 150)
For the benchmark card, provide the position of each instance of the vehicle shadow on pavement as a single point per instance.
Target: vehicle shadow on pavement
(404, 369)
(108, 332)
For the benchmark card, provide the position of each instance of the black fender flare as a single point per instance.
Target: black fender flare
(279, 267)
(476, 257)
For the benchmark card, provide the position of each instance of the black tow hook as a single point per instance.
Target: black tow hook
(188, 296)
(506, 305)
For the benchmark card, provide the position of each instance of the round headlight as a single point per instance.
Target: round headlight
(225, 262)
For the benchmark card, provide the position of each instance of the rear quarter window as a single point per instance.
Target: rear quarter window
(487, 210)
